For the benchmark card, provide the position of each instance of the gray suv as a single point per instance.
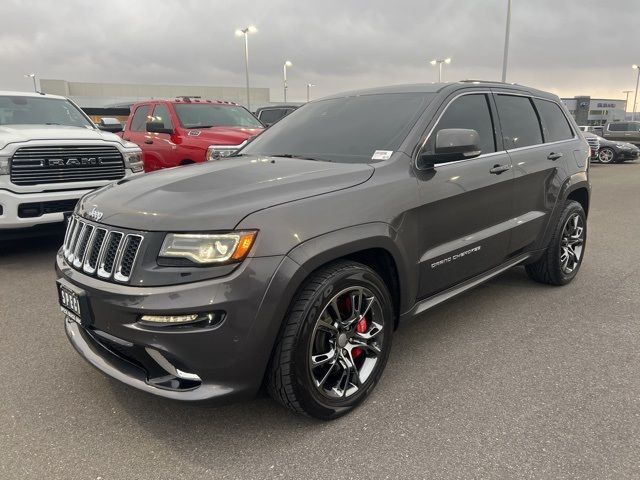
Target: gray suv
(623, 131)
(291, 263)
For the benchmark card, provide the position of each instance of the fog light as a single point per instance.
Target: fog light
(169, 318)
(191, 320)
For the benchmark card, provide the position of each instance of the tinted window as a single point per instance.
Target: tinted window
(272, 115)
(633, 127)
(554, 124)
(618, 127)
(140, 117)
(520, 125)
(207, 115)
(468, 111)
(346, 129)
(40, 111)
(161, 114)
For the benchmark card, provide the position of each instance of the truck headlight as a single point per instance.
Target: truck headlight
(217, 152)
(133, 160)
(4, 165)
(207, 249)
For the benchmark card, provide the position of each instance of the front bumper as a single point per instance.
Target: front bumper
(628, 154)
(13, 206)
(223, 362)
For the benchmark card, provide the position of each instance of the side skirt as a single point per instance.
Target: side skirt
(430, 302)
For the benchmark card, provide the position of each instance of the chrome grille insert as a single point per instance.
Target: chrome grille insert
(72, 163)
(100, 251)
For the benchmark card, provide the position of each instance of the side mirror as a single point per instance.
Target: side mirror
(451, 144)
(110, 124)
(158, 127)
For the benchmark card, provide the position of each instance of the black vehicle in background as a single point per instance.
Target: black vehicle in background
(617, 152)
(292, 262)
(274, 113)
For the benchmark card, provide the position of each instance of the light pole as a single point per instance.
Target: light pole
(244, 32)
(284, 69)
(32, 76)
(309, 85)
(635, 97)
(439, 63)
(626, 100)
(506, 43)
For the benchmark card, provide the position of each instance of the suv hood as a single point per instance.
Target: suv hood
(24, 133)
(224, 135)
(217, 195)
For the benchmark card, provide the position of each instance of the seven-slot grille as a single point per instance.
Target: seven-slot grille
(594, 143)
(75, 163)
(100, 251)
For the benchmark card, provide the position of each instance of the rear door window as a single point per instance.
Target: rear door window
(555, 125)
(519, 121)
(140, 117)
(271, 115)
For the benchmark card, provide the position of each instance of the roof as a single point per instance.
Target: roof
(8, 93)
(438, 87)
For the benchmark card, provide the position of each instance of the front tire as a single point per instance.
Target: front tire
(334, 343)
(563, 257)
(607, 155)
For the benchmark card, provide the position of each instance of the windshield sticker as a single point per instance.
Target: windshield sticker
(382, 155)
(194, 133)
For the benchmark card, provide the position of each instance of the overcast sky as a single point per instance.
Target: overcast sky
(569, 47)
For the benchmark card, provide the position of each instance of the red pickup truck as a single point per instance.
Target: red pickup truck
(188, 130)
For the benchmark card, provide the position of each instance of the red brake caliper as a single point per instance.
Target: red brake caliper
(361, 327)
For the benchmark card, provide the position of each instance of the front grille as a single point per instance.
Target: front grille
(594, 143)
(100, 251)
(44, 165)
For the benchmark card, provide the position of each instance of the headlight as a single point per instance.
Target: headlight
(133, 160)
(206, 249)
(4, 166)
(216, 152)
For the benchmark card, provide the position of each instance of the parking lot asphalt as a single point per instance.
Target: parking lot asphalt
(510, 380)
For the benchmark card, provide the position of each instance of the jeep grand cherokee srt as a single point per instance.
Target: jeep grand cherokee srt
(188, 130)
(292, 262)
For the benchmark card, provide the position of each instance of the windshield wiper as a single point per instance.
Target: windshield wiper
(302, 157)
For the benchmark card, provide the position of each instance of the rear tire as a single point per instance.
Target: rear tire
(563, 257)
(334, 342)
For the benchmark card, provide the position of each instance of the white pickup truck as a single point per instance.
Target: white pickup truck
(51, 154)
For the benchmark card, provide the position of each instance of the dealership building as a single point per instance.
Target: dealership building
(596, 111)
(114, 99)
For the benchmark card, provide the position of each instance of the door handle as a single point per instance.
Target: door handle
(498, 169)
(148, 142)
(554, 156)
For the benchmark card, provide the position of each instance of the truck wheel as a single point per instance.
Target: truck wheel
(606, 155)
(562, 259)
(334, 342)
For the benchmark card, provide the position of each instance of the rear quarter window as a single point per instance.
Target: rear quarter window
(555, 125)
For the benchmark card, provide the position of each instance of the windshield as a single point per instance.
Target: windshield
(348, 129)
(40, 111)
(207, 115)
